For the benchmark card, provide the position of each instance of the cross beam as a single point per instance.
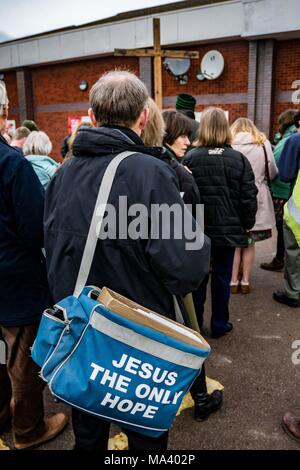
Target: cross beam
(157, 53)
(151, 53)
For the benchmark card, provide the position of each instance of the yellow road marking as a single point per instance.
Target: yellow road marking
(3, 446)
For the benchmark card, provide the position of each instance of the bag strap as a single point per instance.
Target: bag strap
(95, 229)
(97, 220)
(267, 167)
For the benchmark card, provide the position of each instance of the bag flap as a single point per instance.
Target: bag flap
(124, 307)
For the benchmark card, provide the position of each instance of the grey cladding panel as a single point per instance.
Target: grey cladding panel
(211, 22)
(49, 48)
(29, 52)
(72, 45)
(96, 40)
(122, 35)
(5, 57)
(169, 29)
(143, 33)
(271, 16)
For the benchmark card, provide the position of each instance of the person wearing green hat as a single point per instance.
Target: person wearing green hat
(185, 102)
(186, 105)
(31, 125)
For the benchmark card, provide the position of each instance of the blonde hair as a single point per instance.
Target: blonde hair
(214, 129)
(72, 138)
(246, 125)
(154, 132)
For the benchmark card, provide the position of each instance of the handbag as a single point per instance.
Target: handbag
(132, 367)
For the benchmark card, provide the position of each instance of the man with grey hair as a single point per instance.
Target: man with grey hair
(24, 294)
(146, 269)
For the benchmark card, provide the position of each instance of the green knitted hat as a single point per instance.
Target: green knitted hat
(185, 101)
(31, 125)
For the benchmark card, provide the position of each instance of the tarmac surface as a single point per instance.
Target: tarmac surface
(253, 362)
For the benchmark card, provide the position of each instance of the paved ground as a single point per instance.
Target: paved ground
(254, 363)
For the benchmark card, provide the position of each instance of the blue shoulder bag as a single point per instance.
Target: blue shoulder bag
(105, 364)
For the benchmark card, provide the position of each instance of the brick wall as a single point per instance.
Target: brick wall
(233, 80)
(58, 85)
(56, 126)
(286, 71)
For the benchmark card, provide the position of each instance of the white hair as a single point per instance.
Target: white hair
(37, 143)
(3, 97)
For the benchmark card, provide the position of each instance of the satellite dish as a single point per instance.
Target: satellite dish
(212, 65)
(177, 67)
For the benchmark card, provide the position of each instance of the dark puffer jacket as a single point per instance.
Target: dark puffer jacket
(227, 189)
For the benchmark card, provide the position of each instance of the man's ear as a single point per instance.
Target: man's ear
(144, 118)
(92, 117)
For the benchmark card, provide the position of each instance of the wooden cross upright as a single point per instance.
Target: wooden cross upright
(157, 53)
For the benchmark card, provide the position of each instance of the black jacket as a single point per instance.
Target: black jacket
(146, 270)
(23, 282)
(187, 185)
(65, 146)
(227, 189)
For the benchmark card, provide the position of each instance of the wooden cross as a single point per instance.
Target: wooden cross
(157, 53)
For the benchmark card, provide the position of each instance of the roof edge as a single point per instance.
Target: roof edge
(169, 7)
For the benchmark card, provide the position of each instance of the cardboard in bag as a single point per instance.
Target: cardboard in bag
(124, 307)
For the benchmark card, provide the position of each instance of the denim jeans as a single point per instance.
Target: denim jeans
(221, 270)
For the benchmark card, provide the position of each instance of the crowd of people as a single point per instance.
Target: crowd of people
(245, 185)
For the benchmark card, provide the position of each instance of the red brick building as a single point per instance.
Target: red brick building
(43, 73)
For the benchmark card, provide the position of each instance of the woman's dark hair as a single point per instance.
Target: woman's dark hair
(297, 119)
(177, 124)
(286, 119)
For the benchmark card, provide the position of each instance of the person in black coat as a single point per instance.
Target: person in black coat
(148, 269)
(64, 149)
(166, 129)
(24, 294)
(173, 129)
(227, 189)
(176, 142)
(186, 105)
